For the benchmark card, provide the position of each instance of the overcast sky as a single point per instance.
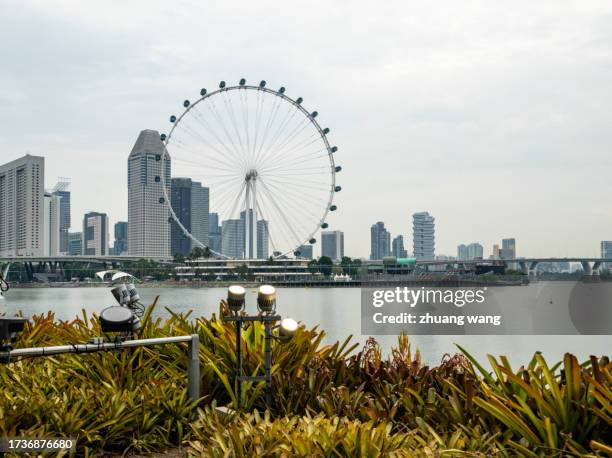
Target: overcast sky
(493, 116)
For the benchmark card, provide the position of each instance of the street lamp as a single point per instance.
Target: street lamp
(266, 304)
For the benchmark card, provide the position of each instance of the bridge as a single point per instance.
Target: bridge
(590, 266)
(55, 264)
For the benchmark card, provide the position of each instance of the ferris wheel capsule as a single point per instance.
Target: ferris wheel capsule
(221, 84)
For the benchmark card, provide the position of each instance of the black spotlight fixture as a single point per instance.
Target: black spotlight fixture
(117, 319)
(11, 327)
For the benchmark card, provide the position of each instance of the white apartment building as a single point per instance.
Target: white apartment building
(21, 207)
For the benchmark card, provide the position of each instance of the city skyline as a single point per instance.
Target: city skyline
(462, 121)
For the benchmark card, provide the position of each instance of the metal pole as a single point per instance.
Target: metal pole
(193, 368)
(239, 363)
(268, 356)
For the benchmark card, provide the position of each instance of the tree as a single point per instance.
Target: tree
(197, 253)
(325, 265)
(178, 258)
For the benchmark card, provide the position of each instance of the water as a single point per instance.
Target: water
(335, 310)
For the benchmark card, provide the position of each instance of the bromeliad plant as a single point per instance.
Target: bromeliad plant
(328, 399)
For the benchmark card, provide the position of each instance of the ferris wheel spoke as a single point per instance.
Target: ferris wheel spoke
(286, 162)
(258, 115)
(289, 197)
(213, 109)
(245, 118)
(227, 102)
(271, 120)
(291, 112)
(280, 211)
(284, 146)
(208, 166)
(297, 130)
(305, 191)
(306, 187)
(207, 125)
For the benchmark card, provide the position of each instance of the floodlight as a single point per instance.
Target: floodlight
(10, 327)
(118, 319)
(132, 292)
(235, 297)
(121, 294)
(266, 298)
(287, 330)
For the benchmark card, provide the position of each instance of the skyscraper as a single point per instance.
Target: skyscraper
(475, 251)
(606, 253)
(51, 224)
(214, 232)
(61, 190)
(200, 202)
(462, 252)
(380, 241)
(148, 215)
(75, 243)
(180, 198)
(508, 249)
(332, 244)
(121, 238)
(95, 234)
(398, 249)
(263, 236)
(21, 207)
(232, 238)
(189, 201)
(469, 252)
(423, 235)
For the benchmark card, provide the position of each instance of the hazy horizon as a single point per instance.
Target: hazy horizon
(493, 117)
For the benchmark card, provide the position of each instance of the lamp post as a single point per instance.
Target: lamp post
(266, 305)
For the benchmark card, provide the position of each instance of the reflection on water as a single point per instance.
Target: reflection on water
(335, 310)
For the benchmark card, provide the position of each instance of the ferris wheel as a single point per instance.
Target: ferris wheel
(267, 163)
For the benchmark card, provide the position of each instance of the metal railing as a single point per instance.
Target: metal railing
(193, 367)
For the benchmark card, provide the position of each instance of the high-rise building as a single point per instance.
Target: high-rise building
(380, 241)
(495, 253)
(304, 252)
(475, 251)
(51, 224)
(263, 237)
(61, 190)
(200, 203)
(214, 232)
(121, 238)
(21, 207)
(180, 199)
(189, 201)
(148, 215)
(397, 247)
(332, 244)
(508, 249)
(232, 238)
(606, 253)
(75, 243)
(95, 234)
(462, 252)
(423, 236)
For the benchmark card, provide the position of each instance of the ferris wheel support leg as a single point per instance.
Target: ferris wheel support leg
(255, 256)
(247, 226)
